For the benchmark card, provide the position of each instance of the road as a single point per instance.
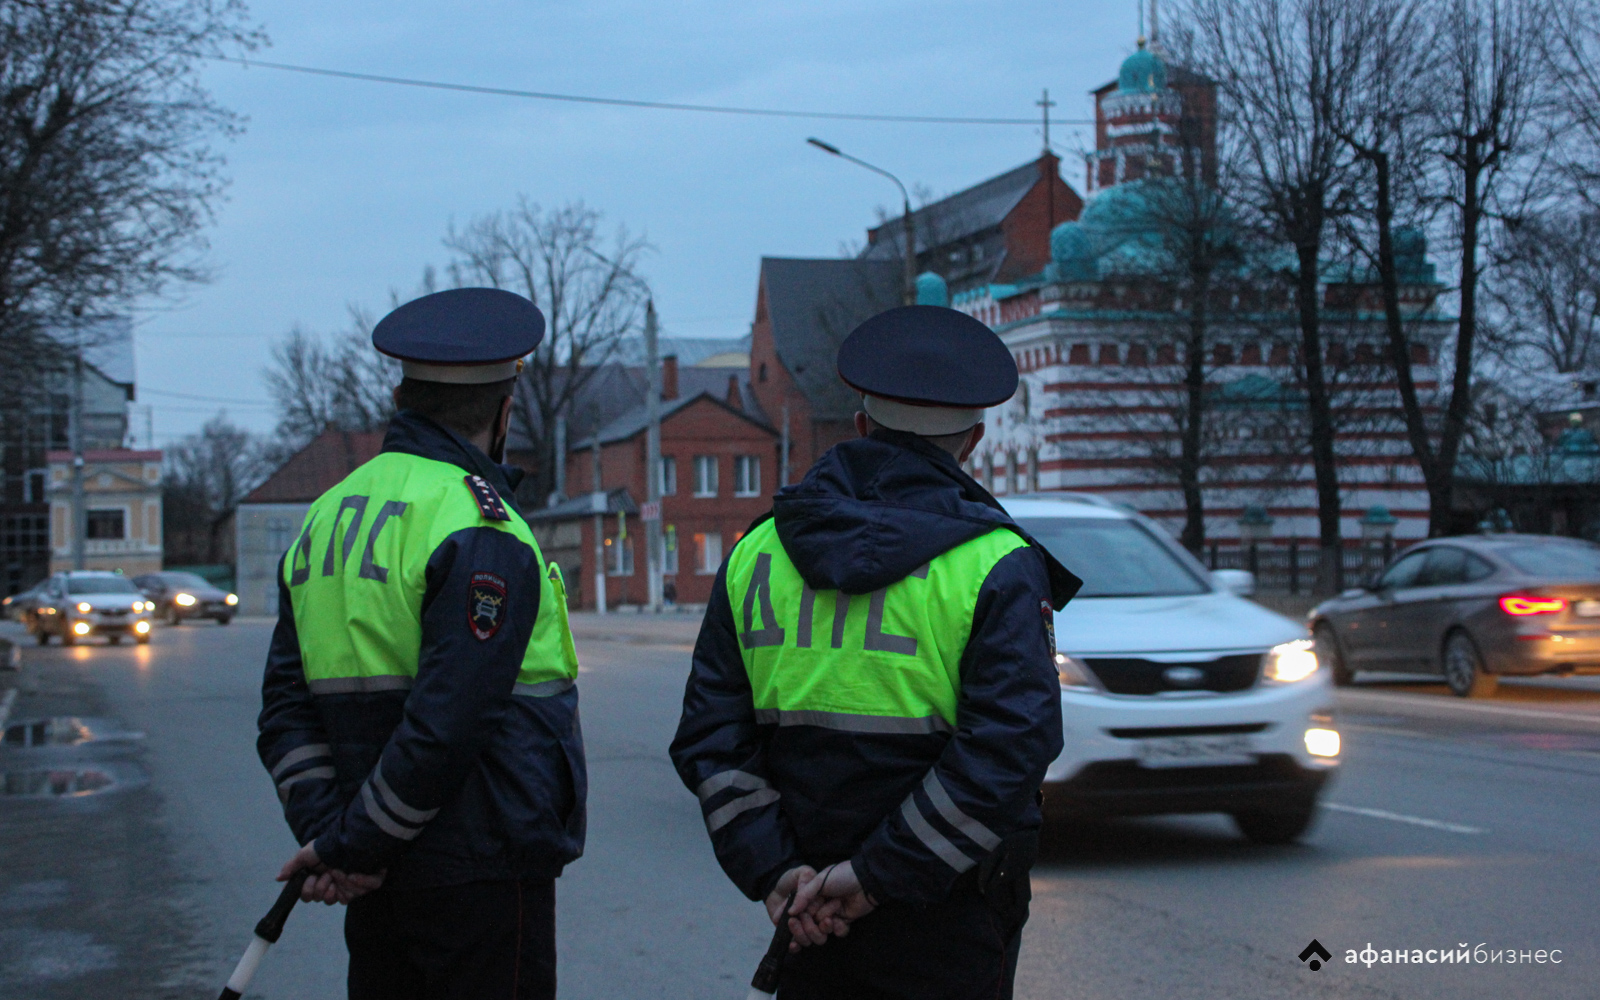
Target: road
(1451, 823)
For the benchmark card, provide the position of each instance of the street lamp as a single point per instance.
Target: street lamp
(910, 255)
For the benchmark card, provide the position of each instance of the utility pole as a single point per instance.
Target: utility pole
(652, 458)
(783, 456)
(560, 493)
(80, 515)
(597, 501)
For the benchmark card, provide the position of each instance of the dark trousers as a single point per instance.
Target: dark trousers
(479, 941)
(959, 950)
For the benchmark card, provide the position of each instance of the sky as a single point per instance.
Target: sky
(341, 190)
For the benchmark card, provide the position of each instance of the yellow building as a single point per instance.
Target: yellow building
(122, 501)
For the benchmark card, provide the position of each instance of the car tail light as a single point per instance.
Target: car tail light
(1522, 605)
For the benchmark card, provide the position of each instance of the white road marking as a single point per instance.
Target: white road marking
(1432, 824)
(1429, 702)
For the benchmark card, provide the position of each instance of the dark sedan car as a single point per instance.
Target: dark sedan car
(1473, 609)
(181, 596)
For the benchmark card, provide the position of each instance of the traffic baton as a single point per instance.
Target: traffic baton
(267, 933)
(765, 982)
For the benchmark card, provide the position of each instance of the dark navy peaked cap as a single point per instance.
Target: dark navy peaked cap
(927, 358)
(462, 335)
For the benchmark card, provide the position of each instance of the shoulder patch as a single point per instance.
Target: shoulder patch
(486, 604)
(489, 502)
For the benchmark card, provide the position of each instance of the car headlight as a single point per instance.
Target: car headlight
(1073, 673)
(142, 628)
(84, 607)
(185, 600)
(81, 628)
(1290, 661)
(231, 599)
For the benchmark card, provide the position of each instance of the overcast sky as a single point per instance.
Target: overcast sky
(341, 190)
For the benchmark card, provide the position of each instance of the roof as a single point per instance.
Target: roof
(107, 345)
(688, 350)
(318, 467)
(812, 305)
(106, 455)
(635, 421)
(980, 207)
(617, 501)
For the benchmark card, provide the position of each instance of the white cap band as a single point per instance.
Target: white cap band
(461, 374)
(928, 421)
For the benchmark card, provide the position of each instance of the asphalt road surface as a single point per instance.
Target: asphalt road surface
(1452, 824)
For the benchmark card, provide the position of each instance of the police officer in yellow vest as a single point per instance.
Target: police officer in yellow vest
(873, 699)
(419, 713)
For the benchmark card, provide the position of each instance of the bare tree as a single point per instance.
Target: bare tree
(107, 172)
(588, 286)
(339, 384)
(207, 474)
(1488, 84)
(1546, 293)
(1286, 70)
(1571, 49)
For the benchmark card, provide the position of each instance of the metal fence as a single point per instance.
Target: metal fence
(1290, 567)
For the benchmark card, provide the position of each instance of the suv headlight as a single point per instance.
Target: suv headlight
(84, 607)
(1074, 673)
(1290, 661)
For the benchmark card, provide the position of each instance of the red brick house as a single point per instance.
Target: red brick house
(719, 459)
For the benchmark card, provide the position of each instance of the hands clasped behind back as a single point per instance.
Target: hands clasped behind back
(825, 903)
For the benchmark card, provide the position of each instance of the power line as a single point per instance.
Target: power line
(653, 105)
(206, 399)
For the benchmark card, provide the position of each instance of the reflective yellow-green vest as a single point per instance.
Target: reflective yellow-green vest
(357, 574)
(885, 662)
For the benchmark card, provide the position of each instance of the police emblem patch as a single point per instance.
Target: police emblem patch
(486, 604)
(1049, 616)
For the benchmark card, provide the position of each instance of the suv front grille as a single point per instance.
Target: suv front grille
(1128, 675)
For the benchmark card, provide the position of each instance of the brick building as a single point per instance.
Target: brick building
(719, 457)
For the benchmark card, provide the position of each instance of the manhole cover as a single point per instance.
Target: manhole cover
(65, 731)
(57, 783)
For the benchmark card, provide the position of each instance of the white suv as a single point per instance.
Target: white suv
(1178, 695)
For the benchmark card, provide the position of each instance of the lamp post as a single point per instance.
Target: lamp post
(910, 255)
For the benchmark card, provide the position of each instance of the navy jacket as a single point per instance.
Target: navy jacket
(496, 784)
(912, 813)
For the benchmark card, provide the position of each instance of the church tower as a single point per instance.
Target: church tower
(1154, 120)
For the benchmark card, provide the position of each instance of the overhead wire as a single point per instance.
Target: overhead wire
(623, 102)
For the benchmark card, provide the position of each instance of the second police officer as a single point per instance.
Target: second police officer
(419, 712)
(873, 700)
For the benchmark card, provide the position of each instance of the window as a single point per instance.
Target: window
(669, 476)
(1012, 485)
(707, 553)
(1446, 565)
(107, 524)
(705, 475)
(1117, 557)
(988, 472)
(669, 544)
(1033, 470)
(761, 372)
(1403, 573)
(280, 534)
(747, 476)
(33, 486)
(1577, 560)
(619, 556)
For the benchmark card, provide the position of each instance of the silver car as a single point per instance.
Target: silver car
(1472, 609)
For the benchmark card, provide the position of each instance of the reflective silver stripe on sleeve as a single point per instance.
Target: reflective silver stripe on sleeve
(378, 816)
(396, 804)
(755, 800)
(543, 689)
(308, 752)
(310, 772)
(977, 832)
(359, 685)
(848, 722)
(729, 779)
(933, 839)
